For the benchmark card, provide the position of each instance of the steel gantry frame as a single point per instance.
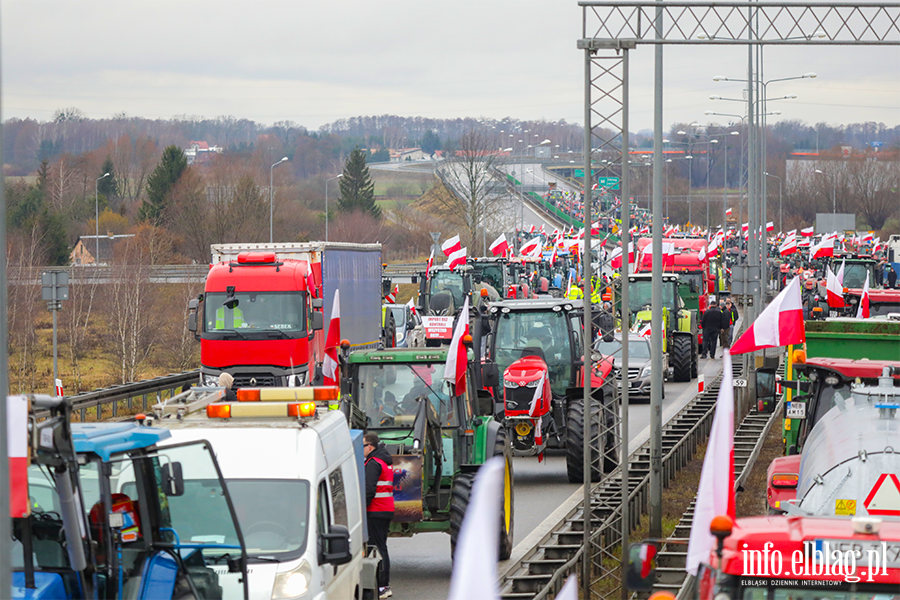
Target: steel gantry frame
(610, 30)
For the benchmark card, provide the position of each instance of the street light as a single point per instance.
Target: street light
(833, 190)
(97, 219)
(780, 202)
(272, 196)
(326, 202)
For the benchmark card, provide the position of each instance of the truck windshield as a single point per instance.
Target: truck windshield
(256, 312)
(388, 393)
(855, 274)
(640, 294)
(449, 282)
(519, 333)
(273, 514)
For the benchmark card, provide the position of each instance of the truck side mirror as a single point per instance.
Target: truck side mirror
(490, 375)
(193, 305)
(316, 303)
(318, 321)
(173, 479)
(765, 389)
(641, 572)
(336, 545)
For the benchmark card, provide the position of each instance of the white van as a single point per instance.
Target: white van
(297, 485)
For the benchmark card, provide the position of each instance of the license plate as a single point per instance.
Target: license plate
(618, 384)
(796, 410)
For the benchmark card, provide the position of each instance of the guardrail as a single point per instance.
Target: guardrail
(120, 397)
(85, 274)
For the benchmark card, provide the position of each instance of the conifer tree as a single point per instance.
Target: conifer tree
(357, 189)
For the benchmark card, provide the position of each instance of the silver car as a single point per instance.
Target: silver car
(639, 373)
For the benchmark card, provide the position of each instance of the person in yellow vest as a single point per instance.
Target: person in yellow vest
(595, 291)
(575, 293)
(237, 318)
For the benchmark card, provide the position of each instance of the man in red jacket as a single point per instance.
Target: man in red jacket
(379, 504)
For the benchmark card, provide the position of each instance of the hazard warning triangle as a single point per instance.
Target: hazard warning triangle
(884, 499)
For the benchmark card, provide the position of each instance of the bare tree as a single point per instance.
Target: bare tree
(77, 320)
(873, 189)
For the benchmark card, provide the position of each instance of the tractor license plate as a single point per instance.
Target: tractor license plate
(796, 410)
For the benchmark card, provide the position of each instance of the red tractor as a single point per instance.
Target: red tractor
(526, 401)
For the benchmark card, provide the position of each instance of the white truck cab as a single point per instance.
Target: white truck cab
(297, 484)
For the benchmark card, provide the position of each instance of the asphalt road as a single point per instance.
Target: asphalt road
(421, 565)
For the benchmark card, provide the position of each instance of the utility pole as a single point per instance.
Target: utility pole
(55, 289)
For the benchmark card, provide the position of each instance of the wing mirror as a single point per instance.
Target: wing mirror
(765, 389)
(336, 546)
(173, 479)
(318, 321)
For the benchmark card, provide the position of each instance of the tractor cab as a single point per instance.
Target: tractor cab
(110, 514)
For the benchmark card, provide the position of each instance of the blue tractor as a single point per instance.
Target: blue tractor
(108, 515)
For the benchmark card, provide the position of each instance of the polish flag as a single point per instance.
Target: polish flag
(59, 388)
(554, 257)
(452, 245)
(789, 246)
(779, 324)
(391, 298)
(669, 232)
(615, 258)
(530, 245)
(533, 411)
(834, 290)
(867, 237)
(823, 248)
(712, 250)
(457, 361)
(668, 254)
(715, 494)
(412, 306)
(808, 232)
(702, 253)
(500, 245)
(333, 342)
(770, 226)
(430, 264)
(862, 312)
(630, 253)
(728, 213)
(531, 229)
(17, 451)
(840, 273)
(745, 227)
(456, 259)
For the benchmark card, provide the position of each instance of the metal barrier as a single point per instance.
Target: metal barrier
(158, 387)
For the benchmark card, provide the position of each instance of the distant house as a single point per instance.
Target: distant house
(407, 154)
(87, 245)
(200, 152)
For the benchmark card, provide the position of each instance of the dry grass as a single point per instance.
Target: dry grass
(752, 500)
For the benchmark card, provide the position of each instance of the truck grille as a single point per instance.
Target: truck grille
(518, 399)
(251, 380)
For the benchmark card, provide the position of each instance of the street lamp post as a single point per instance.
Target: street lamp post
(780, 202)
(97, 219)
(272, 197)
(326, 202)
(833, 190)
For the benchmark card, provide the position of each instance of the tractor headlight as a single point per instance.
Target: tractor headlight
(292, 583)
(645, 372)
(510, 384)
(533, 384)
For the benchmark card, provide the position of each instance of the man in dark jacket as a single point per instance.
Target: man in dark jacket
(892, 277)
(730, 314)
(711, 325)
(379, 504)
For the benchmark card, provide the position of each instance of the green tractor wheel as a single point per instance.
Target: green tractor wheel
(575, 440)
(461, 494)
(681, 358)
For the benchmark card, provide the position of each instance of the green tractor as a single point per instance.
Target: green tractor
(680, 333)
(438, 439)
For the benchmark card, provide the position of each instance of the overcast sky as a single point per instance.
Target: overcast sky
(316, 61)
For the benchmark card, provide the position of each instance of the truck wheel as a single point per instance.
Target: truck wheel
(460, 493)
(575, 441)
(681, 358)
(507, 511)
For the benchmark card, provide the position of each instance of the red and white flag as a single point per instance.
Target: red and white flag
(500, 245)
(457, 360)
(745, 227)
(862, 312)
(554, 257)
(456, 259)
(615, 258)
(533, 411)
(824, 248)
(17, 449)
(452, 245)
(715, 494)
(833, 290)
(808, 232)
(728, 212)
(333, 342)
(770, 226)
(531, 229)
(530, 246)
(668, 254)
(840, 273)
(779, 324)
(702, 253)
(430, 264)
(391, 298)
(788, 246)
(59, 388)
(412, 306)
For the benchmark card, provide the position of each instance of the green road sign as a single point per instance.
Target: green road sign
(610, 183)
(580, 172)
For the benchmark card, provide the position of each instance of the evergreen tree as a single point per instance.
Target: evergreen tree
(357, 189)
(108, 186)
(430, 142)
(160, 183)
